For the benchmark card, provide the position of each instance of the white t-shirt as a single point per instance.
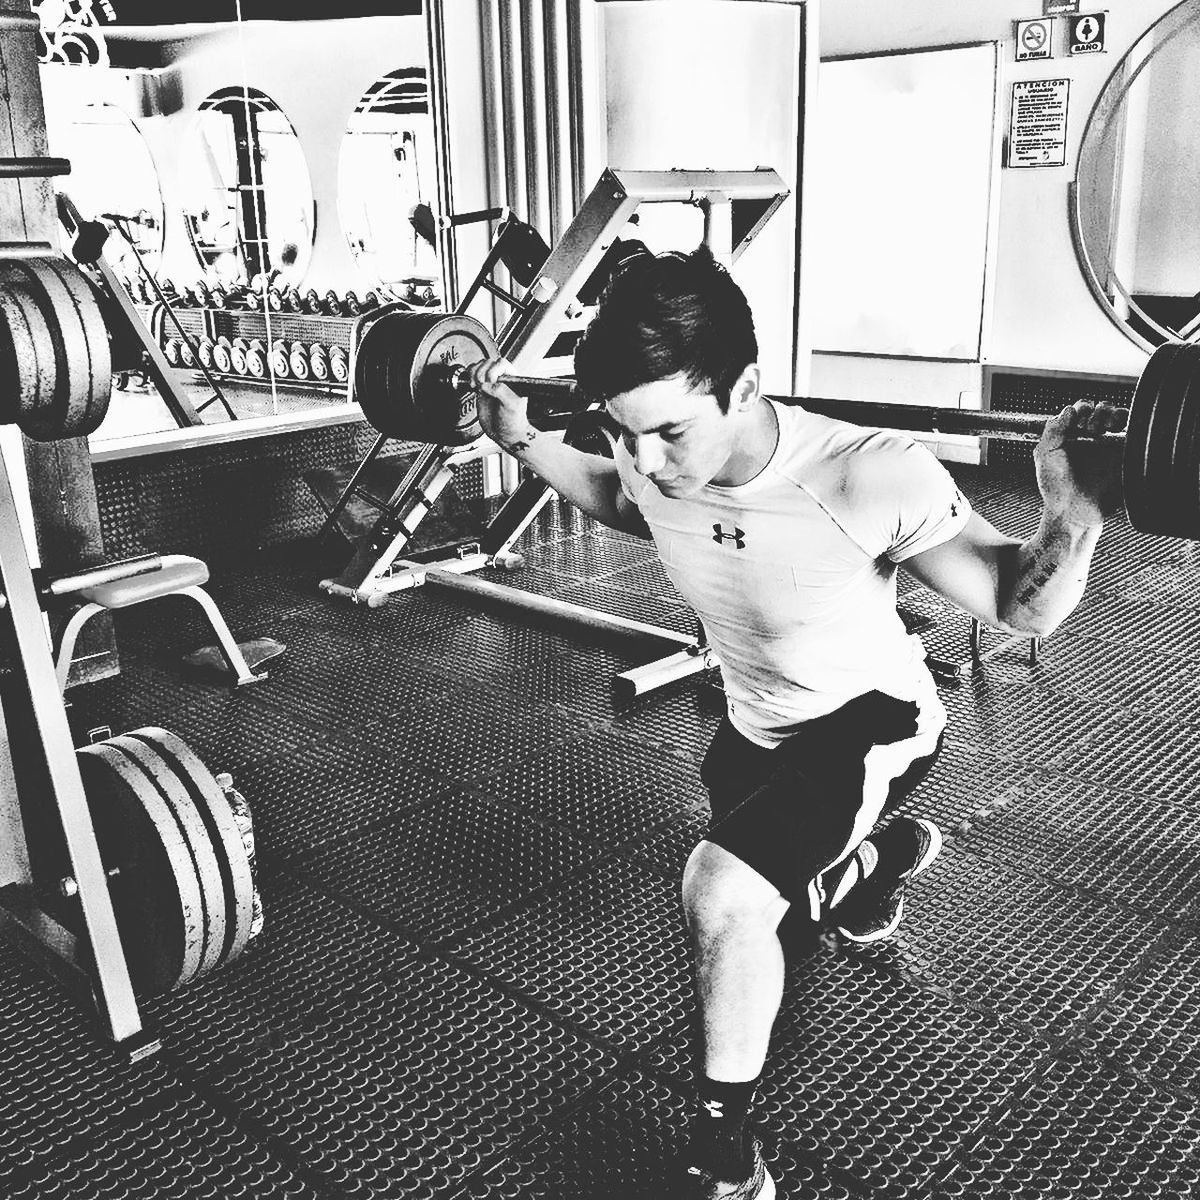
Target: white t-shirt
(794, 573)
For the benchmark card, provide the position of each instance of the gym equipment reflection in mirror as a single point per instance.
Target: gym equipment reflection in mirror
(248, 198)
(1133, 199)
(386, 182)
(94, 136)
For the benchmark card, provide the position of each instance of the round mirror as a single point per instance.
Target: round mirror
(249, 204)
(1136, 224)
(387, 187)
(93, 138)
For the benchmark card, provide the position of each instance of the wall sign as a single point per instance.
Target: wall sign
(1051, 8)
(1086, 34)
(1037, 130)
(1034, 39)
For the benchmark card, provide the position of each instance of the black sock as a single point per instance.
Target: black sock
(719, 1127)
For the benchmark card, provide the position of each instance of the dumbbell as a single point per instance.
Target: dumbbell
(298, 360)
(204, 352)
(318, 361)
(222, 359)
(279, 358)
(339, 364)
(276, 301)
(332, 304)
(187, 356)
(352, 306)
(237, 355)
(256, 358)
(312, 302)
(171, 350)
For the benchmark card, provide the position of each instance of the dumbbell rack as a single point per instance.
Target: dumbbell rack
(736, 206)
(329, 331)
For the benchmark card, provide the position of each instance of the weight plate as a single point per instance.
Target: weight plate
(222, 831)
(1181, 516)
(453, 341)
(195, 834)
(1142, 499)
(82, 405)
(28, 363)
(397, 393)
(390, 415)
(156, 893)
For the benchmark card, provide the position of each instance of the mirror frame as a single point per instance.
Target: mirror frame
(249, 97)
(1103, 108)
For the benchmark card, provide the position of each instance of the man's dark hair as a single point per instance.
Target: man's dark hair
(666, 315)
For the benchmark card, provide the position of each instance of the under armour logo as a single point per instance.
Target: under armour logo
(716, 1108)
(737, 537)
(954, 510)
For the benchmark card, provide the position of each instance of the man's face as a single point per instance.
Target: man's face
(678, 438)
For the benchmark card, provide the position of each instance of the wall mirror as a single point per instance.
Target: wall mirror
(244, 122)
(247, 199)
(93, 138)
(386, 172)
(1133, 204)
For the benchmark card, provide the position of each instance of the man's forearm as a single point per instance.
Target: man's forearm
(1047, 575)
(585, 480)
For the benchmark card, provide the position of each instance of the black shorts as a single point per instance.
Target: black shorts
(794, 811)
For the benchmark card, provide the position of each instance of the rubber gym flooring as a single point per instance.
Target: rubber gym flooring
(474, 982)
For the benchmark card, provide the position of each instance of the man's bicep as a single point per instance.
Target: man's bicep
(969, 569)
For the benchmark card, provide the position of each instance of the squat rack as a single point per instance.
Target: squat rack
(736, 205)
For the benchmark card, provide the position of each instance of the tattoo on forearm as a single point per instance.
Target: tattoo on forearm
(522, 443)
(1043, 568)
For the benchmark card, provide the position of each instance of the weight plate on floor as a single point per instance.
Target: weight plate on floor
(223, 832)
(195, 834)
(156, 894)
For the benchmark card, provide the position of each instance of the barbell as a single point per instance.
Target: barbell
(411, 379)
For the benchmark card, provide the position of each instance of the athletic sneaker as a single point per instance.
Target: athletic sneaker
(758, 1184)
(873, 907)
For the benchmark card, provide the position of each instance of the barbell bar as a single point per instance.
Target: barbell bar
(412, 380)
(1012, 426)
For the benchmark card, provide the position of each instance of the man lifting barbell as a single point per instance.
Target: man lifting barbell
(784, 530)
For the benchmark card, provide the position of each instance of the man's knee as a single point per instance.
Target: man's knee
(721, 894)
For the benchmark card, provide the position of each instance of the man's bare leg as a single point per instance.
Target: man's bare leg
(733, 914)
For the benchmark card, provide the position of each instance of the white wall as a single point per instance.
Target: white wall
(1044, 314)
